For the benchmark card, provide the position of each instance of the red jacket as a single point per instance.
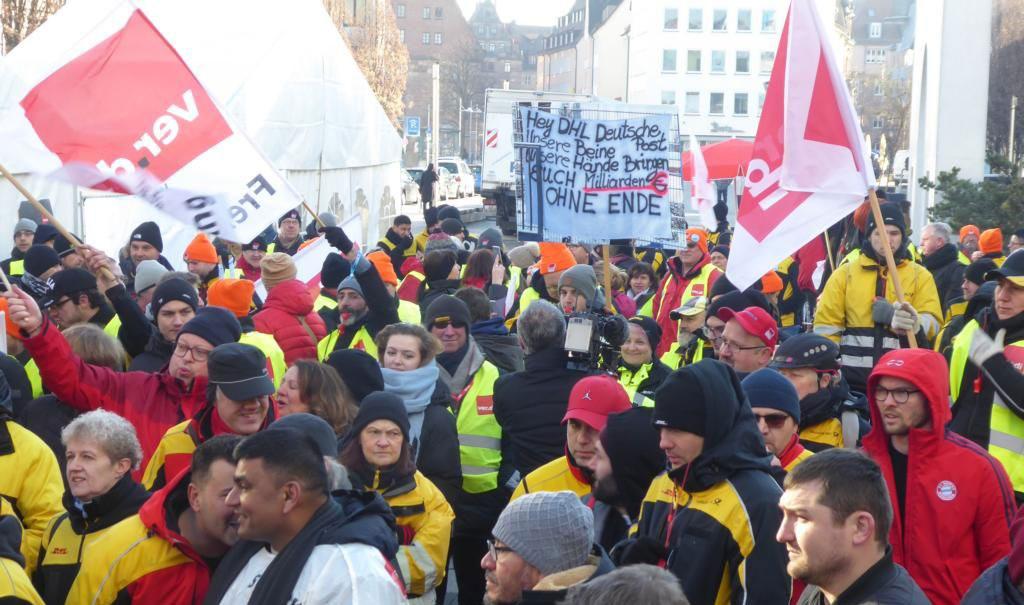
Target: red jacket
(673, 285)
(959, 502)
(251, 273)
(286, 303)
(152, 401)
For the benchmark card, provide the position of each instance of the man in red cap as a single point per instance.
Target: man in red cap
(952, 502)
(591, 401)
(690, 273)
(748, 340)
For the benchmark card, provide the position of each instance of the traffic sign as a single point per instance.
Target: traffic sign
(412, 126)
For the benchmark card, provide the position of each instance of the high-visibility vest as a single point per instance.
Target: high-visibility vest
(362, 341)
(698, 286)
(479, 432)
(113, 326)
(409, 287)
(34, 379)
(631, 381)
(324, 302)
(647, 310)
(390, 247)
(408, 312)
(675, 360)
(1006, 429)
(964, 260)
(529, 296)
(17, 268)
(270, 348)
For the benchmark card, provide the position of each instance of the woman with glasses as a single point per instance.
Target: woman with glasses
(379, 458)
(640, 373)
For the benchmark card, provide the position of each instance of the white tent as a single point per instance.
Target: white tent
(290, 83)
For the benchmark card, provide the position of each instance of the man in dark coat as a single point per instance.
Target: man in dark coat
(940, 258)
(428, 186)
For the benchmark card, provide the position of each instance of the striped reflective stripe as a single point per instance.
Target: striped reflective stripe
(469, 469)
(827, 330)
(857, 340)
(421, 559)
(490, 443)
(1006, 441)
(858, 361)
(929, 324)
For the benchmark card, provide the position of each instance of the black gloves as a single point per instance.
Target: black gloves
(639, 550)
(337, 238)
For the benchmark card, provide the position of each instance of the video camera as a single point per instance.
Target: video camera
(592, 341)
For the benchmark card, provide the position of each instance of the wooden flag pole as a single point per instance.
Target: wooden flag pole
(316, 217)
(7, 283)
(606, 255)
(828, 251)
(890, 261)
(75, 242)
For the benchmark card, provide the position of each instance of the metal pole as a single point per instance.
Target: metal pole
(1013, 116)
(460, 129)
(436, 115)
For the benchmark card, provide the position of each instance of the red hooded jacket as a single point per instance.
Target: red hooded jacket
(674, 285)
(286, 303)
(959, 502)
(152, 401)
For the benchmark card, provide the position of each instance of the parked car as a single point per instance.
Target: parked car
(410, 188)
(461, 173)
(446, 185)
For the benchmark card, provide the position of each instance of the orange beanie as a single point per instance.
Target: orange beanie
(235, 295)
(991, 241)
(771, 283)
(969, 230)
(200, 249)
(12, 328)
(554, 257)
(702, 238)
(384, 267)
(860, 216)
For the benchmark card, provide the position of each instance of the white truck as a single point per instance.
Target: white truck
(499, 157)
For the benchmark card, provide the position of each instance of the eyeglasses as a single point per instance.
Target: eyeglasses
(198, 354)
(714, 334)
(774, 421)
(60, 303)
(443, 323)
(728, 344)
(493, 549)
(898, 395)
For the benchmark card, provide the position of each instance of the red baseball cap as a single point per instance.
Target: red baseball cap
(756, 321)
(594, 398)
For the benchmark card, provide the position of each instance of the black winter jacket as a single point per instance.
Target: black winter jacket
(884, 584)
(47, 417)
(948, 272)
(156, 356)
(994, 587)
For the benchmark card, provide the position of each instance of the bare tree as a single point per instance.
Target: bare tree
(884, 97)
(21, 17)
(1006, 75)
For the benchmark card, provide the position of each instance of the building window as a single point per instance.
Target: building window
(490, 47)
(668, 61)
(743, 20)
(426, 12)
(875, 30)
(760, 102)
(400, 11)
(874, 55)
(718, 21)
(668, 97)
(401, 36)
(692, 103)
(742, 62)
(739, 104)
(877, 122)
(426, 38)
(696, 23)
(671, 19)
(768, 21)
(767, 61)
(878, 89)
(693, 61)
(508, 67)
(438, 13)
(718, 61)
(717, 103)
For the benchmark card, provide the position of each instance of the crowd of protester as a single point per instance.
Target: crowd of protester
(414, 424)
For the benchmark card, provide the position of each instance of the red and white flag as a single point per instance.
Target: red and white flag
(105, 88)
(702, 191)
(809, 168)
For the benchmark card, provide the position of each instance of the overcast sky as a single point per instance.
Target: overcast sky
(524, 12)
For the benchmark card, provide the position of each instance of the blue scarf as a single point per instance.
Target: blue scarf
(415, 388)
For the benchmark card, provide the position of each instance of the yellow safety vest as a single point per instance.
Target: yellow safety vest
(479, 432)
(17, 268)
(324, 302)
(362, 341)
(34, 379)
(963, 258)
(631, 381)
(1006, 429)
(674, 359)
(270, 348)
(788, 292)
(648, 309)
(390, 247)
(408, 312)
(698, 286)
(113, 326)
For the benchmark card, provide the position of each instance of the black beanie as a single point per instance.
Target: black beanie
(293, 213)
(335, 269)
(149, 232)
(174, 288)
(379, 405)
(448, 306)
(63, 246)
(650, 327)
(215, 325)
(680, 403)
(39, 259)
(892, 214)
(975, 272)
(737, 301)
(44, 233)
(430, 216)
(451, 226)
(437, 264)
(358, 370)
(447, 211)
(631, 444)
(721, 286)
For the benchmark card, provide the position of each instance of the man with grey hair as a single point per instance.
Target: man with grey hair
(102, 450)
(631, 584)
(941, 259)
(529, 405)
(542, 544)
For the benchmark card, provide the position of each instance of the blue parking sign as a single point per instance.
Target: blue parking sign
(412, 126)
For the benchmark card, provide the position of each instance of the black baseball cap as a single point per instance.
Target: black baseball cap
(240, 371)
(1012, 269)
(65, 283)
(807, 350)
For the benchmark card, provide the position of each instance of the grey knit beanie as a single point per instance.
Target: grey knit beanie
(351, 283)
(553, 531)
(25, 224)
(583, 278)
(147, 273)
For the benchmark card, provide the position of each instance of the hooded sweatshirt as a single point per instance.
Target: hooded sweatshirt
(958, 501)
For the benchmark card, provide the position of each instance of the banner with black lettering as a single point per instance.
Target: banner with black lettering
(114, 94)
(595, 180)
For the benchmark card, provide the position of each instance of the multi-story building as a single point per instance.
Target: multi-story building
(566, 60)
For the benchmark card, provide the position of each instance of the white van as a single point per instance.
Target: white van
(461, 173)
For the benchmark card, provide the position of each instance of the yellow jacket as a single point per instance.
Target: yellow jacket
(14, 583)
(172, 455)
(554, 476)
(422, 508)
(30, 479)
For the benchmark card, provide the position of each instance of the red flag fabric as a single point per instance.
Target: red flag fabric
(725, 160)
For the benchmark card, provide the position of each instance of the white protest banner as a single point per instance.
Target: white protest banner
(702, 191)
(596, 180)
(107, 89)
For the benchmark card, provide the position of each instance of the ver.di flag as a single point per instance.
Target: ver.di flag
(809, 168)
(107, 89)
(702, 192)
